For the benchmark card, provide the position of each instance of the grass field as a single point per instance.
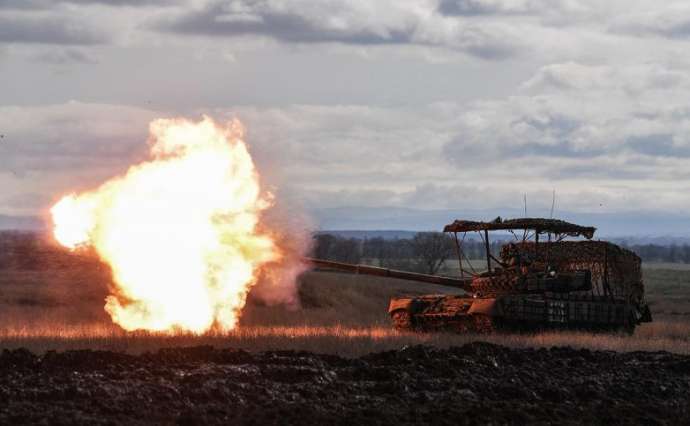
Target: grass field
(62, 308)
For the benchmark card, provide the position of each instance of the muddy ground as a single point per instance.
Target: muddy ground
(475, 383)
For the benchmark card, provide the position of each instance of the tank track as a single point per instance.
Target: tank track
(477, 323)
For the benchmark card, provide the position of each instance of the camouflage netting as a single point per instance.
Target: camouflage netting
(624, 271)
(540, 225)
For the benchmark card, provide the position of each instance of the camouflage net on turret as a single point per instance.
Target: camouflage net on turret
(624, 271)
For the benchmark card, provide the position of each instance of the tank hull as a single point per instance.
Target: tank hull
(515, 312)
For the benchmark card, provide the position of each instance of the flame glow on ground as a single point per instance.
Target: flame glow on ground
(180, 231)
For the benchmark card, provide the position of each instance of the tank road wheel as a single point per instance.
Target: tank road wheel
(483, 324)
(402, 320)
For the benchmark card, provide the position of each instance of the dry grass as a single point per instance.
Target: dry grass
(340, 340)
(341, 314)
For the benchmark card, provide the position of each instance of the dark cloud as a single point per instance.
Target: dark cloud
(491, 7)
(658, 145)
(552, 140)
(679, 30)
(282, 24)
(126, 2)
(49, 4)
(583, 121)
(347, 23)
(547, 135)
(469, 153)
(667, 21)
(48, 30)
(563, 149)
(466, 8)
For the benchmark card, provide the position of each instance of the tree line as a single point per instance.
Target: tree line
(657, 253)
(426, 252)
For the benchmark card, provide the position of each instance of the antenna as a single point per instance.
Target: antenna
(525, 199)
(553, 202)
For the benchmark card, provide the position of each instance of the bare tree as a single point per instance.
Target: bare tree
(373, 248)
(398, 254)
(431, 249)
(323, 245)
(331, 247)
(346, 250)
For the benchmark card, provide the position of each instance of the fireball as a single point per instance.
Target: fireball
(180, 231)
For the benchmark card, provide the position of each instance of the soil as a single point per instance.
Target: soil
(474, 384)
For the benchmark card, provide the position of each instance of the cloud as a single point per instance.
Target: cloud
(72, 22)
(446, 155)
(70, 138)
(553, 13)
(302, 21)
(598, 134)
(601, 121)
(50, 4)
(592, 97)
(669, 20)
(133, 3)
(47, 151)
(48, 30)
(299, 149)
(385, 22)
(490, 7)
(610, 145)
(658, 145)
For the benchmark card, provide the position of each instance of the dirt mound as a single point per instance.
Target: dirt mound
(475, 383)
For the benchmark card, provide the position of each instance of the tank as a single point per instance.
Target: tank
(552, 276)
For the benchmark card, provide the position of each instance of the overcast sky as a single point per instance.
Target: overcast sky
(427, 104)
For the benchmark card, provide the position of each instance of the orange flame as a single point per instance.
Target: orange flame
(179, 231)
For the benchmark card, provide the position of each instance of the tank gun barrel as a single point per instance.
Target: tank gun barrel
(392, 273)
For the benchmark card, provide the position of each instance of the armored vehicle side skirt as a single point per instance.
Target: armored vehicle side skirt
(512, 312)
